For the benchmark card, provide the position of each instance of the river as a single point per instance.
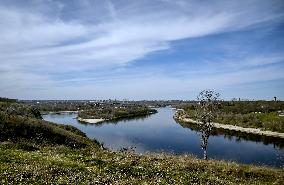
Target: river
(161, 133)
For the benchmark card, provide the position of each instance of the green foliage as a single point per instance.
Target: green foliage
(16, 128)
(245, 107)
(10, 109)
(72, 129)
(272, 121)
(20, 123)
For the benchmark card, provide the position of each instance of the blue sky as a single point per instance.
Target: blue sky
(150, 49)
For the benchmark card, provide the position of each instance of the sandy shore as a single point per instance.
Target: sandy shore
(236, 128)
(90, 120)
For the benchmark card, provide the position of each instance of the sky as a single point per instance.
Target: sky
(136, 50)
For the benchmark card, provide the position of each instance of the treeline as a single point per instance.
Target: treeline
(3, 99)
(240, 107)
(74, 105)
(55, 106)
(244, 107)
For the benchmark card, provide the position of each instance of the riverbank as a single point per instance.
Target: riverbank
(263, 115)
(256, 131)
(58, 112)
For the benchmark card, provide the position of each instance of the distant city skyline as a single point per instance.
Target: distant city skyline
(141, 50)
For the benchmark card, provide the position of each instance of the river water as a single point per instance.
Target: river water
(161, 133)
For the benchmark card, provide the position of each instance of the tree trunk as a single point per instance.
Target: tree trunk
(205, 153)
(204, 138)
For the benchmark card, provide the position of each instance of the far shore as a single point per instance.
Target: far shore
(60, 112)
(235, 128)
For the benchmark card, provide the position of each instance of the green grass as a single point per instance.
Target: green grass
(91, 165)
(265, 121)
(272, 121)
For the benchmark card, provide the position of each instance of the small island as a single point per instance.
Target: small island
(107, 113)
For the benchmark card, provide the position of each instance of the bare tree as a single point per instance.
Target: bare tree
(206, 112)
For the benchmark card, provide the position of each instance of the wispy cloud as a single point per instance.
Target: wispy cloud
(59, 38)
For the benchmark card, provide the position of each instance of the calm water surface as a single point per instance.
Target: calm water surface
(161, 133)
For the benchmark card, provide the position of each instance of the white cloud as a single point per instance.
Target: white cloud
(23, 30)
(55, 44)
